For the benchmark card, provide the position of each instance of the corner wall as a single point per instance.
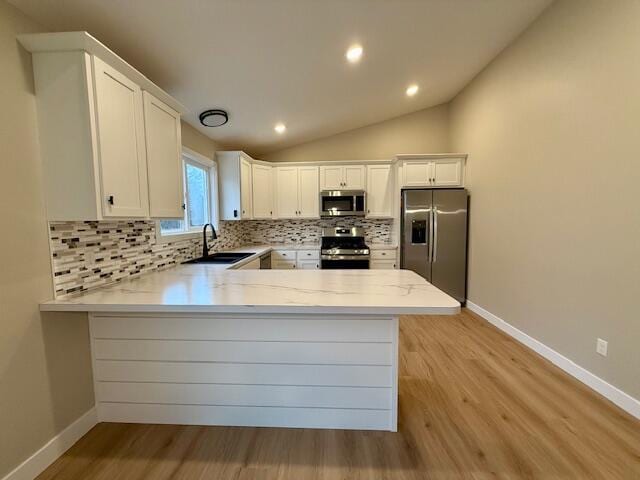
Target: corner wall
(425, 131)
(45, 367)
(551, 128)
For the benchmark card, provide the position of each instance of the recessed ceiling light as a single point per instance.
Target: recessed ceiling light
(354, 53)
(280, 127)
(412, 90)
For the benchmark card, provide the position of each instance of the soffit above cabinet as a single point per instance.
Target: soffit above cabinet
(83, 41)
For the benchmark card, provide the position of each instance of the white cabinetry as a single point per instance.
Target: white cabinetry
(262, 181)
(383, 259)
(300, 260)
(297, 194)
(235, 185)
(164, 158)
(252, 265)
(342, 177)
(433, 172)
(379, 191)
(104, 153)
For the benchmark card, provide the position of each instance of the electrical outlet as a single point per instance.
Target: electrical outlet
(601, 347)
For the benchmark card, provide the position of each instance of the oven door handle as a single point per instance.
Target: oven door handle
(344, 257)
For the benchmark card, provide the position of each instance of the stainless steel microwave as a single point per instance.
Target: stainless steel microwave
(341, 203)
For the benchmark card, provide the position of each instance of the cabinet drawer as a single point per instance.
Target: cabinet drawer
(283, 264)
(308, 264)
(308, 254)
(382, 265)
(283, 255)
(383, 254)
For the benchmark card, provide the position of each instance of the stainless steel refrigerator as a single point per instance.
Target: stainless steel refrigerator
(434, 237)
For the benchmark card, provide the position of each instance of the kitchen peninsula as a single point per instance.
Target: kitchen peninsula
(208, 345)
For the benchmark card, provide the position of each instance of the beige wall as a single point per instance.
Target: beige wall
(45, 372)
(195, 140)
(425, 131)
(551, 127)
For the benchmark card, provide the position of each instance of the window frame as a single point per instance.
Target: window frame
(192, 157)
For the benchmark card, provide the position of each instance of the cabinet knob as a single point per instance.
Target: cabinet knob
(184, 206)
(110, 200)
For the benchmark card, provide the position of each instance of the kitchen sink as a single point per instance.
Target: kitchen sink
(222, 257)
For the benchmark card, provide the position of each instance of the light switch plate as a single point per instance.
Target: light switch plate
(601, 347)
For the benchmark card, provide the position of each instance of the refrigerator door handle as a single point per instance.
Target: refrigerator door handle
(434, 242)
(430, 246)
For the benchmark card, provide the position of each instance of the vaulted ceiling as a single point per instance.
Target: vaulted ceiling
(270, 61)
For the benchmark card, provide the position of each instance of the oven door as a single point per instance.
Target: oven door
(350, 262)
(337, 203)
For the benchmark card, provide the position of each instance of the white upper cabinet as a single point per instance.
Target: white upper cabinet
(308, 192)
(235, 185)
(379, 191)
(297, 192)
(331, 177)
(164, 162)
(108, 149)
(246, 188)
(342, 177)
(262, 180)
(286, 197)
(122, 152)
(447, 172)
(434, 171)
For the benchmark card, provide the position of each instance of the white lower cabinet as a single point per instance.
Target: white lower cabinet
(252, 265)
(289, 259)
(384, 259)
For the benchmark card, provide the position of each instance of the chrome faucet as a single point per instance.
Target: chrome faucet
(205, 247)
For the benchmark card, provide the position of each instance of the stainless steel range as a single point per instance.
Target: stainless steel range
(343, 248)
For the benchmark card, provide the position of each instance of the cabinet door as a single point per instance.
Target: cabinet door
(245, 189)
(262, 191)
(308, 264)
(164, 158)
(308, 192)
(331, 177)
(252, 265)
(447, 173)
(379, 191)
(382, 264)
(121, 147)
(354, 177)
(286, 192)
(416, 174)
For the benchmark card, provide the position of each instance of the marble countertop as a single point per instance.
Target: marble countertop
(217, 289)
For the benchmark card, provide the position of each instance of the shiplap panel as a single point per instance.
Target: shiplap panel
(246, 352)
(245, 395)
(246, 416)
(238, 373)
(220, 328)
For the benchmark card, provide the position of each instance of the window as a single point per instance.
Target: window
(199, 177)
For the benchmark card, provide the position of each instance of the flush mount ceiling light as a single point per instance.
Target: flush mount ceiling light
(280, 128)
(412, 90)
(214, 118)
(354, 54)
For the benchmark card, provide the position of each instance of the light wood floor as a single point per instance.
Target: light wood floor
(473, 404)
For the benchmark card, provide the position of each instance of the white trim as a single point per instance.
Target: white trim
(614, 394)
(192, 156)
(54, 448)
(73, 41)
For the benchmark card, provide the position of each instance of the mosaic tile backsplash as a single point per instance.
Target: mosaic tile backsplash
(91, 254)
(309, 230)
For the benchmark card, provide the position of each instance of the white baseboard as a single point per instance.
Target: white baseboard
(617, 396)
(54, 448)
